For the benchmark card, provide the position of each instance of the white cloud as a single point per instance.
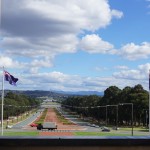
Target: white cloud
(134, 74)
(128, 74)
(79, 13)
(117, 13)
(132, 51)
(59, 81)
(42, 29)
(10, 63)
(144, 68)
(37, 29)
(43, 48)
(41, 63)
(94, 44)
(121, 67)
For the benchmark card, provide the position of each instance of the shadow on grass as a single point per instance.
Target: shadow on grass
(144, 130)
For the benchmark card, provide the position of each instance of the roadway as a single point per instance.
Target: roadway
(27, 121)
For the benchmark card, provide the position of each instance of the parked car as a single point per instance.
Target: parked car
(105, 129)
(93, 125)
(115, 128)
(33, 125)
(9, 126)
(39, 126)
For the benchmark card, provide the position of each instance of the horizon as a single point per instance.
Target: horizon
(77, 45)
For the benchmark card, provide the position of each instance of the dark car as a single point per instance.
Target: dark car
(39, 126)
(105, 129)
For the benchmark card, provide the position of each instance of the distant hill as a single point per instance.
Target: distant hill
(82, 93)
(59, 95)
(38, 93)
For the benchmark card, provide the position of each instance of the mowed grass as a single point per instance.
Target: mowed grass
(99, 134)
(75, 134)
(31, 133)
(135, 129)
(36, 133)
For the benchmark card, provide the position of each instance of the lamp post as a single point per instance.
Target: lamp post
(146, 117)
(131, 114)
(116, 113)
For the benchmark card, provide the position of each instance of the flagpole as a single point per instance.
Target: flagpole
(2, 101)
(149, 101)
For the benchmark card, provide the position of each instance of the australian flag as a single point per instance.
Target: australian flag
(11, 79)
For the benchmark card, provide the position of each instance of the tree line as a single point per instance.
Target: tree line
(16, 104)
(94, 106)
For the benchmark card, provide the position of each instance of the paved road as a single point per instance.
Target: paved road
(85, 124)
(89, 128)
(29, 120)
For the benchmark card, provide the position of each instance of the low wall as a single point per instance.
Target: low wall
(75, 143)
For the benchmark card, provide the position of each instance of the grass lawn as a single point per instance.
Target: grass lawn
(99, 134)
(36, 133)
(33, 133)
(135, 129)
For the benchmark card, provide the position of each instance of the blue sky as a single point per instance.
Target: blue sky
(76, 45)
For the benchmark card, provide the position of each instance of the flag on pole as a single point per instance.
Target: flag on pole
(11, 79)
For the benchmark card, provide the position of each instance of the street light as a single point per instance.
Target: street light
(146, 117)
(116, 113)
(131, 115)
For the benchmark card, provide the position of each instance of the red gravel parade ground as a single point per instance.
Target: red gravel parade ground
(62, 130)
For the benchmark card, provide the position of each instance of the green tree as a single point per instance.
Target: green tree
(111, 96)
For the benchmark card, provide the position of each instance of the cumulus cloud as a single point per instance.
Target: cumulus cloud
(128, 74)
(78, 13)
(10, 63)
(34, 28)
(41, 29)
(94, 44)
(40, 47)
(116, 13)
(35, 31)
(58, 80)
(132, 51)
(141, 73)
(144, 68)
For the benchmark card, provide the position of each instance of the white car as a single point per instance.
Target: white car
(9, 127)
